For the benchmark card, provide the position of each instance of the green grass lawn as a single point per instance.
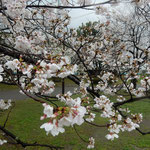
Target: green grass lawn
(4, 87)
(67, 81)
(25, 122)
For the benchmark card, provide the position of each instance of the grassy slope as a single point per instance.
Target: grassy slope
(25, 123)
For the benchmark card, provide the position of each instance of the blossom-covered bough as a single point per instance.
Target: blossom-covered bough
(37, 44)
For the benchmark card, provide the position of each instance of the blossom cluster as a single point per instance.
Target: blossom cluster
(61, 117)
(117, 122)
(91, 143)
(4, 105)
(43, 72)
(68, 100)
(16, 10)
(107, 79)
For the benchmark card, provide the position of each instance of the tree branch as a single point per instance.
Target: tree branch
(24, 144)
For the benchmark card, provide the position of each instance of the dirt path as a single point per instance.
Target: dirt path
(16, 95)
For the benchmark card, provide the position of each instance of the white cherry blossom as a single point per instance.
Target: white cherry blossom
(48, 110)
(91, 143)
(111, 136)
(2, 142)
(5, 105)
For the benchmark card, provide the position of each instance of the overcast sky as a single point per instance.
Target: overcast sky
(80, 16)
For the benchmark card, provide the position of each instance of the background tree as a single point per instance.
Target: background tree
(130, 33)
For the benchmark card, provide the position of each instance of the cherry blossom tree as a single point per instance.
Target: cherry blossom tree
(131, 33)
(37, 44)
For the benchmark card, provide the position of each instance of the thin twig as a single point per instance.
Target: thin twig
(8, 115)
(79, 135)
(23, 144)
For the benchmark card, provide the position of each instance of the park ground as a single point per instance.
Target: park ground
(24, 121)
